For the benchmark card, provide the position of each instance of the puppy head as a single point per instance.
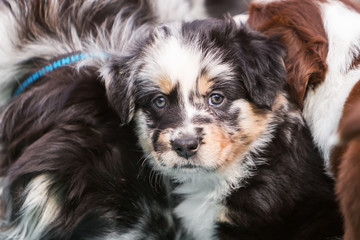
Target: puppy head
(202, 93)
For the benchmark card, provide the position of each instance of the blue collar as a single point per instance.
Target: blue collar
(51, 67)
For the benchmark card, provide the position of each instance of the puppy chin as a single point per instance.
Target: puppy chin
(179, 168)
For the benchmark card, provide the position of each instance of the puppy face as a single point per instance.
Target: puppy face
(201, 93)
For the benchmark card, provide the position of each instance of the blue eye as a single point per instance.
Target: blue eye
(160, 102)
(216, 99)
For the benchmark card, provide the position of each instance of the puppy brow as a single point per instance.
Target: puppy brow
(204, 84)
(165, 84)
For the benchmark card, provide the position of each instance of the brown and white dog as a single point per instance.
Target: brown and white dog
(322, 39)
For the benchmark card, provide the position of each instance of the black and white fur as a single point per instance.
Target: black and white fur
(212, 115)
(68, 170)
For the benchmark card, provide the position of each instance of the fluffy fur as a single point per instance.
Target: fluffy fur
(68, 170)
(211, 113)
(323, 46)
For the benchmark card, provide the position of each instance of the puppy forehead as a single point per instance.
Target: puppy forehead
(178, 62)
(173, 61)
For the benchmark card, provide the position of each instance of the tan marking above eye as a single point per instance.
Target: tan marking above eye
(204, 84)
(165, 84)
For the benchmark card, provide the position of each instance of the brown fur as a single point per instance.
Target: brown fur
(305, 42)
(204, 84)
(348, 189)
(165, 84)
(355, 63)
(347, 164)
(349, 126)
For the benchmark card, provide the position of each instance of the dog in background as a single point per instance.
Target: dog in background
(68, 170)
(322, 60)
(209, 102)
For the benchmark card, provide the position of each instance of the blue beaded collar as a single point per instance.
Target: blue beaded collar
(51, 67)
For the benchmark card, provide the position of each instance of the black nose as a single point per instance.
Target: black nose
(186, 146)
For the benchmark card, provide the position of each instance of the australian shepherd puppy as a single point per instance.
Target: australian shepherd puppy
(323, 71)
(68, 170)
(209, 103)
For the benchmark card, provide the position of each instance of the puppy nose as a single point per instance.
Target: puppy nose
(186, 146)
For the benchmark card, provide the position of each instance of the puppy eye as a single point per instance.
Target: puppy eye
(160, 102)
(216, 99)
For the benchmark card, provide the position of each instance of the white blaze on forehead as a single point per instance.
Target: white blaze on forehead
(182, 63)
(175, 61)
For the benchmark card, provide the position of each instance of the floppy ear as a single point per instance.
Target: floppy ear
(303, 34)
(261, 66)
(305, 67)
(120, 88)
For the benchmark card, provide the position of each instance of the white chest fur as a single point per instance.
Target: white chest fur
(200, 206)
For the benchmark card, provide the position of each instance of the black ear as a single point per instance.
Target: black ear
(261, 66)
(120, 88)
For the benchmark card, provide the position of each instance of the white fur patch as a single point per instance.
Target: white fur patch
(241, 19)
(174, 60)
(200, 207)
(38, 211)
(323, 106)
